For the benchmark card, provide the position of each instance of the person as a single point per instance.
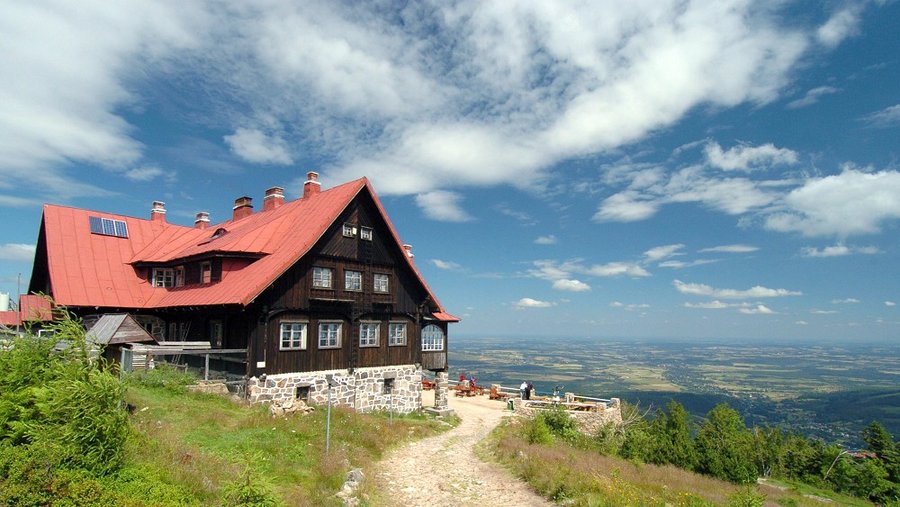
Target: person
(472, 380)
(462, 377)
(529, 390)
(523, 390)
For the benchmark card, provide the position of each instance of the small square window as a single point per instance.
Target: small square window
(368, 334)
(388, 386)
(365, 233)
(349, 230)
(352, 280)
(322, 278)
(163, 277)
(303, 393)
(381, 283)
(397, 333)
(293, 336)
(329, 335)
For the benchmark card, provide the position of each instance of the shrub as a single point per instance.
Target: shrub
(249, 491)
(163, 376)
(537, 432)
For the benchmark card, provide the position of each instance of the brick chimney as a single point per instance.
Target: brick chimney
(312, 185)
(243, 208)
(158, 212)
(202, 220)
(274, 198)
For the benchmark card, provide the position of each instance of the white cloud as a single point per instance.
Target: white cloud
(546, 240)
(630, 307)
(698, 289)
(148, 173)
(745, 157)
(685, 264)
(847, 301)
(532, 303)
(887, 117)
(850, 203)
(712, 305)
(662, 252)
(555, 271)
(626, 207)
(448, 265)
(256, 146)
(757, 310)
(617, 269)
(731, 249)
(571, 285)
(812, 96)
(839, 26)
(17, 252)
(823, 312)
(839, 251)
(801, 323)
(890, 303)
(443, 206)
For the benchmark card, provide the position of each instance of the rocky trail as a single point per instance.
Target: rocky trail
(444, 471)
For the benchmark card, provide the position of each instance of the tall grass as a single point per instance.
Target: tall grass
(581, 476)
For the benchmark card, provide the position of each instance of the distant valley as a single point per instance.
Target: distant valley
(829, 391)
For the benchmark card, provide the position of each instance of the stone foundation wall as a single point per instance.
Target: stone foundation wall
(362, 390)
(589, 422)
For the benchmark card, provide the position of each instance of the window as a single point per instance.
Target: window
(293, 336)
(349, 230)
(368, 334)
(215, 333)
(381, 283)
(432, 338)
(388, 387)
(322, 278)
(173, 331)
(108, 227)
(163, 277)
(205, 272)
(365, 233)
(179, 276)
(397, 333)
(352, 280)
(329, 335)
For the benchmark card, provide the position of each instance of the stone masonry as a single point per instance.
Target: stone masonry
(588, 422)
(363, 390)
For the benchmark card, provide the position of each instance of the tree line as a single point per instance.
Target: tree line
(723, 446)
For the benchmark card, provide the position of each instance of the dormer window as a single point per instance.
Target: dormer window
(365, 233)
(163, 277)
(349, 230)
(221, 231)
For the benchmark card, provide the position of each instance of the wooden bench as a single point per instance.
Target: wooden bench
(427, 385)
(496, 394)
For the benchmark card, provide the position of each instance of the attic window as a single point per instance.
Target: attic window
(365, 233)
(108, 227)
(349, 230)
(221, 231)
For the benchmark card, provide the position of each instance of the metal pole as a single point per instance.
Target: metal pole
(206, 369)
(825, 477)
(328, 421)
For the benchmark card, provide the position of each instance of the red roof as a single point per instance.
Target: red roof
(88, 269)
(32, 308)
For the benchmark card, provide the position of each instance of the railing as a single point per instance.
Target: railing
(514, 391)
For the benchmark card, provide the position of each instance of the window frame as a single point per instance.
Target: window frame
(322, 269)
(349, 230)
(205, 272)
(179, 276)
(338, 338)
(293, 344)
(430, 345)
(392, 342)
(387, 283)
(366, 233)
(358, 287)
(159, 276)
(216, 332)
(373, 339)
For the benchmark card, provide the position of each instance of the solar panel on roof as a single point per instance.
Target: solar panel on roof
(108, 227)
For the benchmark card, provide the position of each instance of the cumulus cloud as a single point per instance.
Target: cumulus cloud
(549, 239)
(758, 291)
(887, 117)
(617, 269)
(746, 157)
(839, 250)
(571, 285)
(443, 206)
(256, 146)
(757, 310)
(17, 252)
(532, 303)
(554, 271)
(731, 249)
(851, 203)
(812, 96)
(448, 265)
(842, 24)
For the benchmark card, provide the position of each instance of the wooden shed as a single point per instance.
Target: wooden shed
(113, 330)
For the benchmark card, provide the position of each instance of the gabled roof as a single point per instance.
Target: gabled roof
(32, 308)
(98, 270)
(116, 328)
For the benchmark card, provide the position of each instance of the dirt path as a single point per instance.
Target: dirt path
(443, 470)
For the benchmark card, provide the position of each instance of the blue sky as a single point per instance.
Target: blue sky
(688, 169)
